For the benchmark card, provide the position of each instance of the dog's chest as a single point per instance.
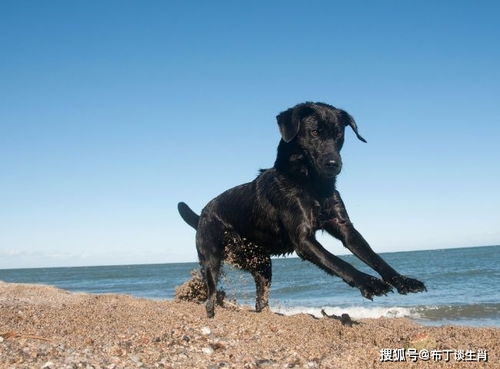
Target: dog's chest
(314, 214)
(309, 211)
(319, 213)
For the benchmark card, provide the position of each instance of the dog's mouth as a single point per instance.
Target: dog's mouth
(331, 168)
(330, 173)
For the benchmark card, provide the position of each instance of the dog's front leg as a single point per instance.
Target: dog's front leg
(339, 226)
(308, 248)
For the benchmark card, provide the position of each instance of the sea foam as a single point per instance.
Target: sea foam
(356, 312)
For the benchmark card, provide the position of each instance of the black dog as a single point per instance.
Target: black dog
(280, 211)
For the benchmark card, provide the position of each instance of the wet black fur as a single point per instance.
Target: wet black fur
(280, 211)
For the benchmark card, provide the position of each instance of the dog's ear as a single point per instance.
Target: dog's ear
(289, 121)
(349, 121)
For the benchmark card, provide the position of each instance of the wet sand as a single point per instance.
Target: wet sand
(45, 327)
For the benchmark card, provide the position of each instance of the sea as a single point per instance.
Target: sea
(463, 285)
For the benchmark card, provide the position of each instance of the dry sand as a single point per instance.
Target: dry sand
(45, 327)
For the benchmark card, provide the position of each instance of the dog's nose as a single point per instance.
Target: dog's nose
(333, 166)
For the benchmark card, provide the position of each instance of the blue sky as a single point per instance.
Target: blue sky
(112, 112)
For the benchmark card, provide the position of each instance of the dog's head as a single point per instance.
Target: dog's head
(317, 129)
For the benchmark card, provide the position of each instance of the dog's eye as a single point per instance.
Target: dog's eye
(315, 132)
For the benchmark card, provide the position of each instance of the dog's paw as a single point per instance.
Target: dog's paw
(210, 308)
(406, 285)
(261, 307)
(371, 286)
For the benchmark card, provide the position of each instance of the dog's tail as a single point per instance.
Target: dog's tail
(189, 216)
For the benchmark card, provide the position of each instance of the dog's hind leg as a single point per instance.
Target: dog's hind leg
(243, 254)
(262, 275)
(210, 247)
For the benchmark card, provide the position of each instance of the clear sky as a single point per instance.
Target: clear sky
(113, 111)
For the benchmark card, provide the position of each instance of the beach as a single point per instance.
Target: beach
(46, 327)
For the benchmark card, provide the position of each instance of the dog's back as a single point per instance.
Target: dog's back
(249, 211)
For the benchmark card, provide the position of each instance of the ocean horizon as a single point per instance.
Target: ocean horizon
(462, 285)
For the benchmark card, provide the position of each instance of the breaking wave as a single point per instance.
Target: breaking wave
(432, 313)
